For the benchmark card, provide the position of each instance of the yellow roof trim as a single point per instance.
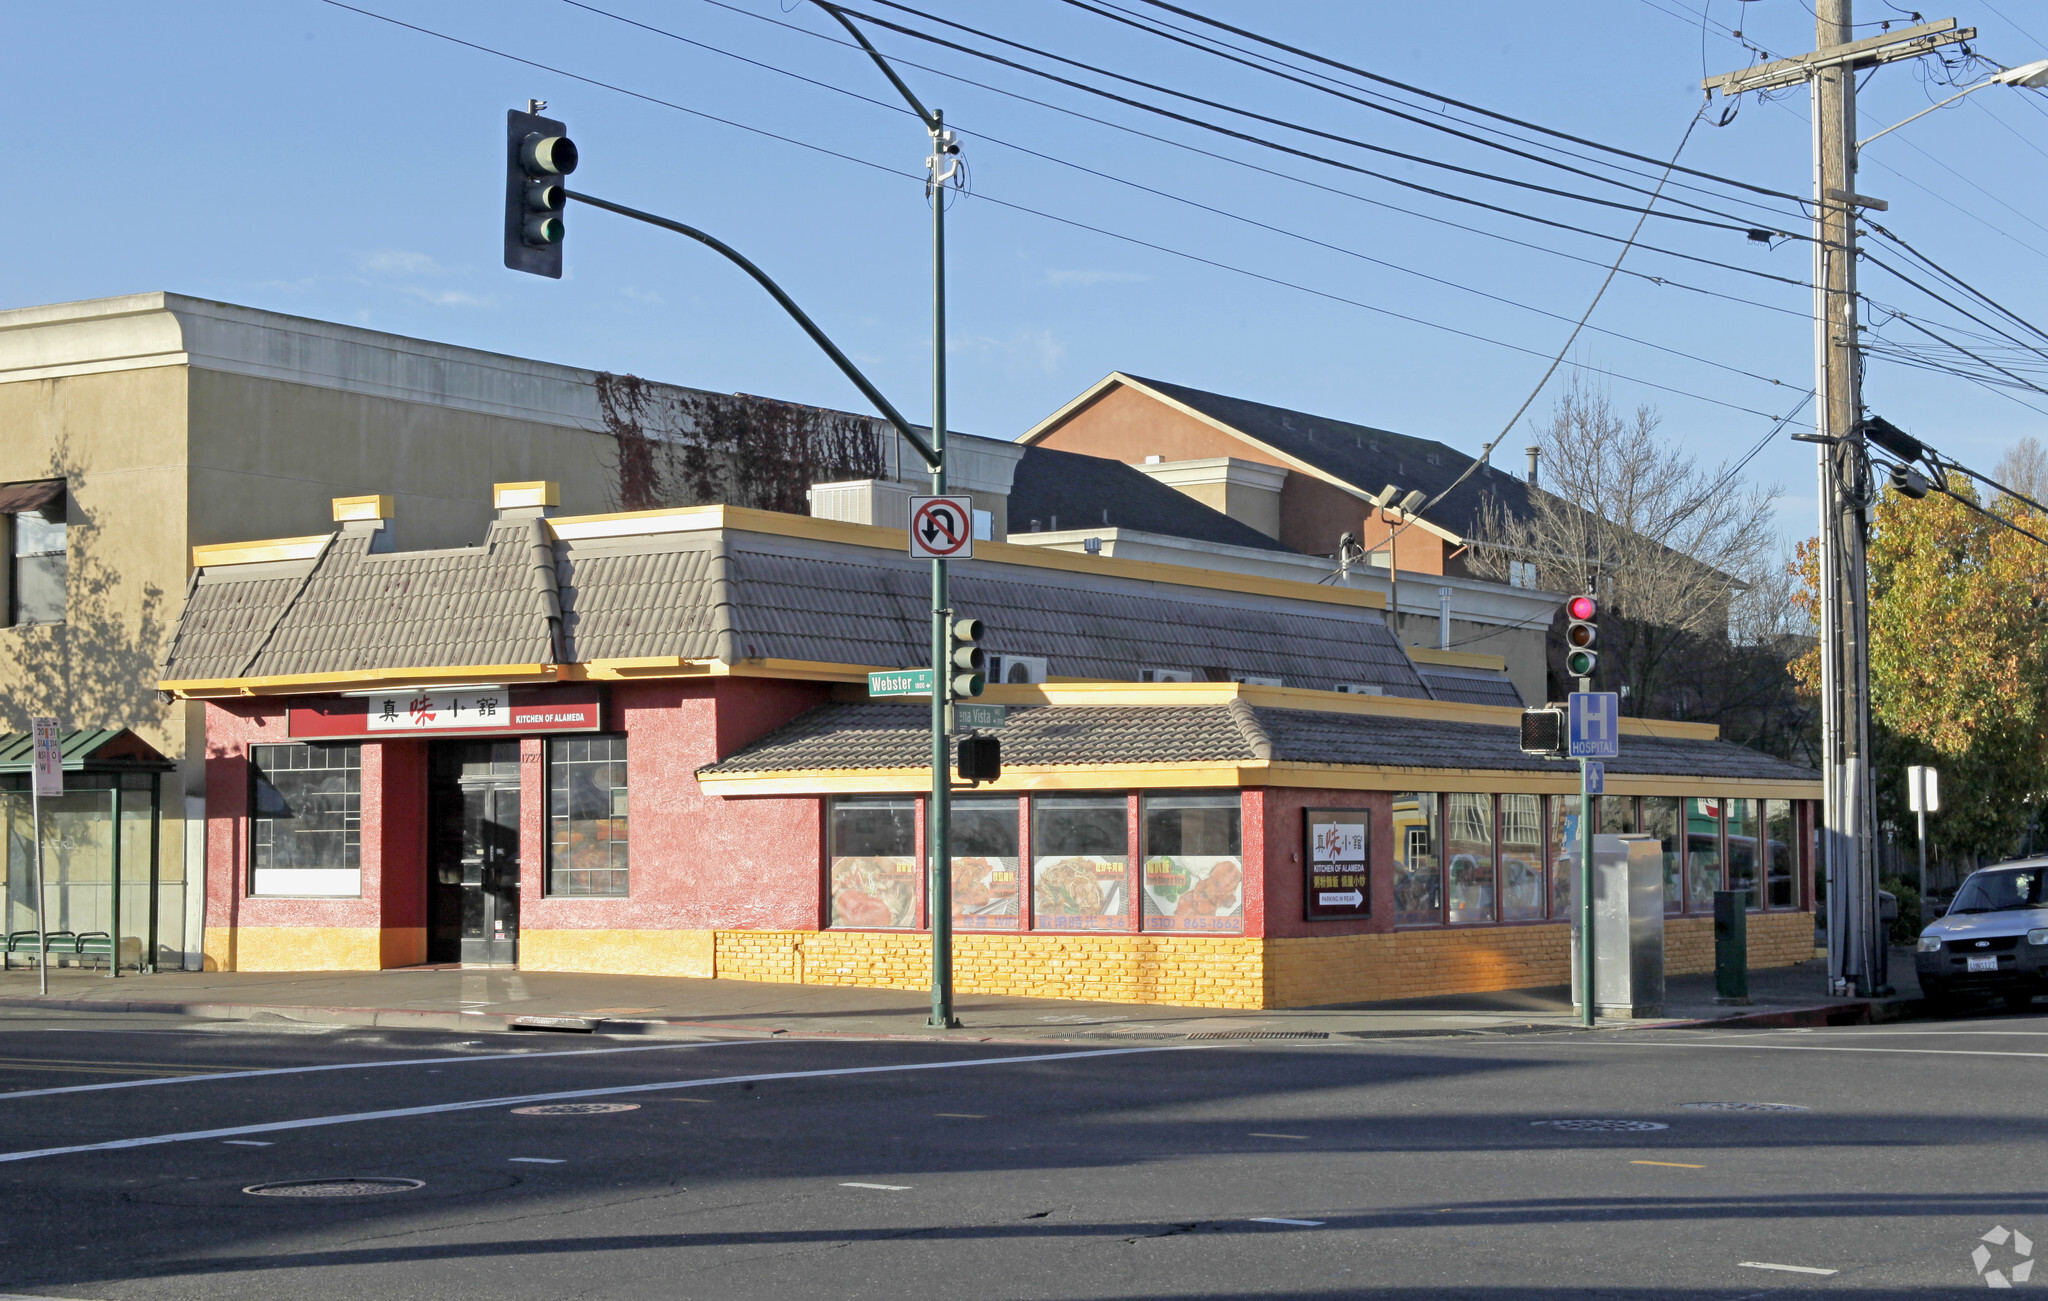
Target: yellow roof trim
(1458, 659)
(1155, 776)
(376, 505)
(309, 683)
(249, 553)
(696, 519)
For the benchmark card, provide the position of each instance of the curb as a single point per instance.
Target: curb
(1873, 1011)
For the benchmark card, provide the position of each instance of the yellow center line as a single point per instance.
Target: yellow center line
(1679, 1165)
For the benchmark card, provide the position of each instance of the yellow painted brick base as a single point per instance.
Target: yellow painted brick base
(1180, 970)
(618, 952)
(301, 948)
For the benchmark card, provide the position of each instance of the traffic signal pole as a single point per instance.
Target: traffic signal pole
(942, 167)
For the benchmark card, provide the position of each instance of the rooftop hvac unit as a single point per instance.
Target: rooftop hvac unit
(1166, 675)
(1016, 668)
(1361, 689)
(1257, 682)
(862, 501)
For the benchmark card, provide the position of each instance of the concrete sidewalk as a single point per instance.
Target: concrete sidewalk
(496, 999)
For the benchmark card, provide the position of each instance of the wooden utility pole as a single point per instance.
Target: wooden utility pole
(1857, 947)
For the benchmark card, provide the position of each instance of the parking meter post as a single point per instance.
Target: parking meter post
(1731, 948)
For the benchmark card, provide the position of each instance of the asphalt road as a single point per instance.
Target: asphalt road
(1420, 1168)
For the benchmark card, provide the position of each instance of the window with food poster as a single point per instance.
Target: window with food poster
(872, 880)
(1080, 863)
(982, 839)
(1337, 864)
(1193, 876)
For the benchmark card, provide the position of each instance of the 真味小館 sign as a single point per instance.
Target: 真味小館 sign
(1338, 880)
(460, 711)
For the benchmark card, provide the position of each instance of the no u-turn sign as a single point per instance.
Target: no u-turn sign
(942, 528)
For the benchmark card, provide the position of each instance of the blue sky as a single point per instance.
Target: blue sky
(296, 156)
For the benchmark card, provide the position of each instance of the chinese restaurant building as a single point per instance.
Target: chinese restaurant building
(642, 743)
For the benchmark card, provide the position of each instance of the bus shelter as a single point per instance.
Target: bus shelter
(101, 841)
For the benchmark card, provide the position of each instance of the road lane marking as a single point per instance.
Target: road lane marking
(1789, 1269)
(527, 1055)
(1274, 1219)
(247, 1142)
(539, 1160)
(1680, 1165)
(950, 1115)
(1752, 1045)
(480, 1104)
(1301, 1137)
(884, 1188)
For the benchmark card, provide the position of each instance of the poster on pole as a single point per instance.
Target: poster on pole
(49, 757)
(942, 528)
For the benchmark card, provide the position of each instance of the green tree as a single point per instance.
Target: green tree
(1958, 664)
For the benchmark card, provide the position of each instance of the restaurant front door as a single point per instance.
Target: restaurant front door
(473, 815)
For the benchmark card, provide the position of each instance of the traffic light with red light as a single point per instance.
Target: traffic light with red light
(1581, 634)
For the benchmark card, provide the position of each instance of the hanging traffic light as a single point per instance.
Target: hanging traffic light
(967, 662)
(538, 154)
(980, 759)
(1580, 635)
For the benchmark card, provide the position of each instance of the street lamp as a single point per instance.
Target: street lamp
(1409, 505)
(2028, 76)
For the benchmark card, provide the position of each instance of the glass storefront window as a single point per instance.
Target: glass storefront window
(1743, 859)
(1521, 858)
(1703, 851)
(1660, 819)
(873, 877)
(1564, 853)
(1468, 844)
(305, 820)
(587, 816)
(983, 841)
(1193, 853)
(1080, 863)
(1781, 870)
(1418, 873)
(1617, 815)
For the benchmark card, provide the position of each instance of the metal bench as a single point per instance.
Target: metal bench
(62, 944)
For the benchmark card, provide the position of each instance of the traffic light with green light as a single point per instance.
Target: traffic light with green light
(538, 155)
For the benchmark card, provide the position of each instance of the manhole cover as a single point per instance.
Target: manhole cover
(1622, 1126)
(1744, 1106)
(575, 1108)
(369, 1186)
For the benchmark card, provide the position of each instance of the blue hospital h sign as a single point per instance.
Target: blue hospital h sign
(1595, 725)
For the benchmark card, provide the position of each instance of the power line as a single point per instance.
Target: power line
(1332, 88)
(1468, 107)
(1018, 207)
(1741, 227)
(1318, 185)
(1181, 199)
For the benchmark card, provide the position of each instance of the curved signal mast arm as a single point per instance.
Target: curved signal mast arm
(852, 372)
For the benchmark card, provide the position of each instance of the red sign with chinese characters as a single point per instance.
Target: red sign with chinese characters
(456, 711)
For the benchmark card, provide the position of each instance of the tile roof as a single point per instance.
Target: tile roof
(1073, 491)
(1472, 688)
(1366, 458)
(740, 595)
(882, 735)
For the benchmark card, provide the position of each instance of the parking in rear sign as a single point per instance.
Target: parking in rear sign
(1595, 725)
(942, 528)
